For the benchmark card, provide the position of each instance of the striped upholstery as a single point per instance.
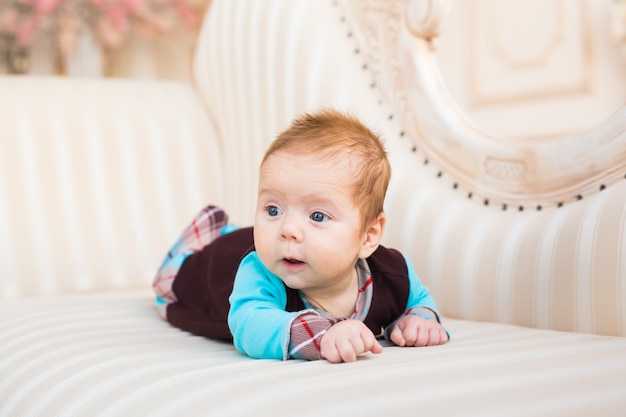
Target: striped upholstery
(557, 268)
(96, 179)
(560, 268)
(110, 355)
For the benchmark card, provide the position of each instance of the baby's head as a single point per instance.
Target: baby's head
(336, 137)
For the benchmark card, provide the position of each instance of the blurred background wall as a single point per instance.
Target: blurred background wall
(101, 38)
(520, 68)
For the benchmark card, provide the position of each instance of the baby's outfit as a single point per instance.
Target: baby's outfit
(212, 283)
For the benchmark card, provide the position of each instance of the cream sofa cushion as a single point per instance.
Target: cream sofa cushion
(111, 355)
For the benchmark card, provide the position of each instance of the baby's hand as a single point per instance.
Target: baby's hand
(347, 339)
(417, 331)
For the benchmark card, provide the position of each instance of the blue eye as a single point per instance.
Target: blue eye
(273, 211)
(318, 216)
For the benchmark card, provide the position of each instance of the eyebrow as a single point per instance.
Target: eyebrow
(308, 198)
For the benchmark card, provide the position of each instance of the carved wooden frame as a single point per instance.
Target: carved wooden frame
(397, 43)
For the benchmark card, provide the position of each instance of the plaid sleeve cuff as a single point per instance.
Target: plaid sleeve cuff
(423, 312)
(207, 226)
(306, 334)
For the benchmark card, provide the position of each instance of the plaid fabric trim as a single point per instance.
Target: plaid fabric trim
(307, 330)
(423, 312)
(366, 289)
(205, 228)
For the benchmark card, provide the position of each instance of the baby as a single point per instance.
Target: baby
(310, 280)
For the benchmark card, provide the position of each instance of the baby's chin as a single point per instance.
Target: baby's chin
(293, 281)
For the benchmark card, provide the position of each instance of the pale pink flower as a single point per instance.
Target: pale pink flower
(9, 21)
(188, 15)
(134, 6)
(27, 30)
(113, 19)
(44, 7)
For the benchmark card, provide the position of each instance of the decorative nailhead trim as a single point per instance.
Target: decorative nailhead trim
(414, 147)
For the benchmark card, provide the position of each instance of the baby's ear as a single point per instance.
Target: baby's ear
(373, 235)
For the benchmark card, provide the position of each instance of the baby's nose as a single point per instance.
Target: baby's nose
(290, 230)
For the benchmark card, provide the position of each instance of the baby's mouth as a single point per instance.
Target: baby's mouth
(292, 261)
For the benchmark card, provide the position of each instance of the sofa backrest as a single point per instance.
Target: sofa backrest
(531, 234)
(97, 180)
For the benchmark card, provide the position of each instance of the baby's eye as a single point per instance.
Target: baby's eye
(318, 216)
(273, 211)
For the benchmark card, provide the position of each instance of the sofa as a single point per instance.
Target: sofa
(523, 245)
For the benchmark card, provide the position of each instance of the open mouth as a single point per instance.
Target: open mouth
(292, 261)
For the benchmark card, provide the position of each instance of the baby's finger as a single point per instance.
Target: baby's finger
(396, 336)
(377, 348)
(348, 351)
(330, 353)
(370, 344)
(423, 336)
(444, 336)
(438, 336)
(411, 334)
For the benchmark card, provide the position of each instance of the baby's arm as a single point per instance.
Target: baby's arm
(315, 337)
(257, 319)
(420, 325)
(261, 328)
(307, 331)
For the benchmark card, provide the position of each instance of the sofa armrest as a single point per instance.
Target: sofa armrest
(97, 178)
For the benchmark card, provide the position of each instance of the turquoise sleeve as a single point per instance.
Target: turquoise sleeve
(257, 318)
(419, 295)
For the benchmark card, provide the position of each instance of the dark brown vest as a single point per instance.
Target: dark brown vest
(205, 281)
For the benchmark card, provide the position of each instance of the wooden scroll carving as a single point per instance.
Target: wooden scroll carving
(396, 38)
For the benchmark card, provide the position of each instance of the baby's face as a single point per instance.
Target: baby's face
(307, 229)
